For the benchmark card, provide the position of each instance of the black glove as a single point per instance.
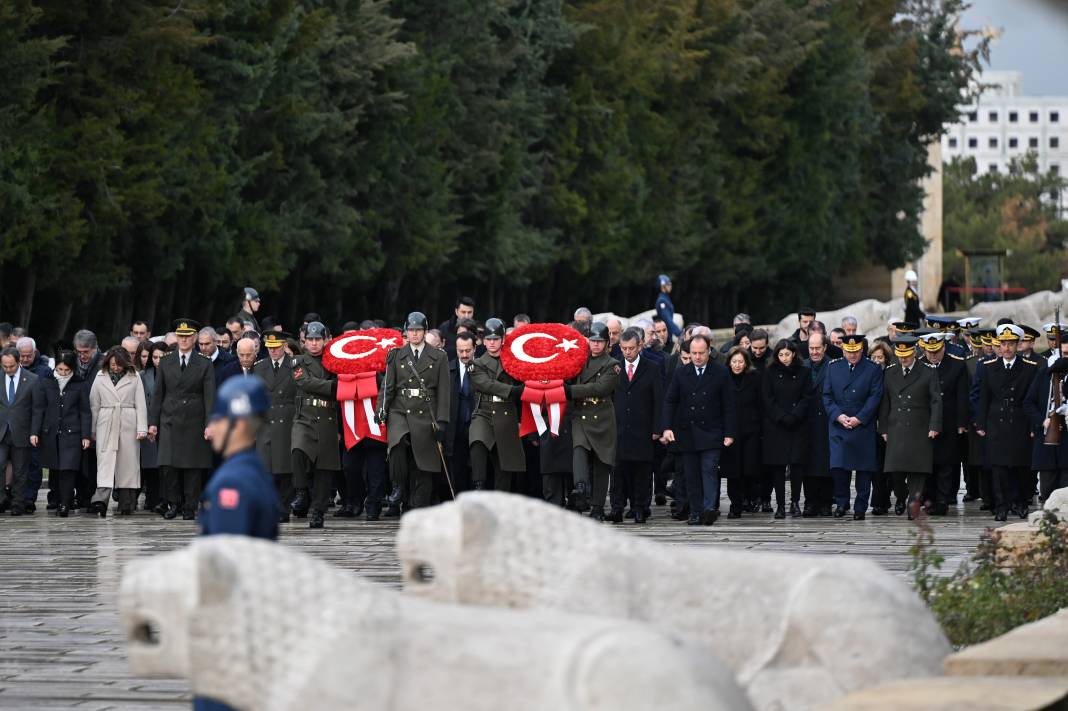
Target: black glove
(517, 391)
(567, 390)
(440, 433)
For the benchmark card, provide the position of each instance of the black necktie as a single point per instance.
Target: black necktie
(850, 367)
(700, 372)
(276, 364)
(183, 362)
(416, 354)
(907, 372)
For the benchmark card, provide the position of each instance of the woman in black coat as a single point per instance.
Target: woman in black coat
(741, 462)
(787, 390)
(67, 427)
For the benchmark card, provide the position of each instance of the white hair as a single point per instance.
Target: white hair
(849, 320)
(24, 342)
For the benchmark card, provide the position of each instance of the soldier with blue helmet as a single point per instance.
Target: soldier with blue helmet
(240, 499)
(665, 309)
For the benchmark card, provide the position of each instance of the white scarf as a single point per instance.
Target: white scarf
(63, 380)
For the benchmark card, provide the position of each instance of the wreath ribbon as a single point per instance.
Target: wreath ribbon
(359, 420)
(539, 395)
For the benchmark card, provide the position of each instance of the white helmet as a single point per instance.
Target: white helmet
(911, 276)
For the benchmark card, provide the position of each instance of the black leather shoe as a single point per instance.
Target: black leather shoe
(899, 508)
(597, 514)
(189, 515)
(372, 515)
(986, 507)
(858, 517)
(839, 513)
(301, 503)
(5, 505)
(734, 513)
(393, 511)
(16, 511)
(171, 513)
(480, 485)
(709, 517)
(681, 515)
(825, 511)
(283, 518)
(62, 511)
(316, 520)
(795, 510)
(30, 508)
(52, 506)
(780, 512)
(615, 516)
(968, 498)
(661, 500)
(809, 513)
(693, 521)
(1000, 516)
(579, 499)
(641, 517)
(346, 511)
(878, 512)
(766, 507)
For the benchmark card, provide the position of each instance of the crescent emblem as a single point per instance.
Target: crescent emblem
(337, 347)
(518, 348)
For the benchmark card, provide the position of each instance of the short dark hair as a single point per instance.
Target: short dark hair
(582, 327)
(699, 337)
(806, 311)
(140, 322)
(469, 323)
(521, 317)
(235, 319)
(465, 336)
(465, 301)
(10, 351)
(658, 319)
(632, 334)
(685, 345)
(758, 334)
(840, 331)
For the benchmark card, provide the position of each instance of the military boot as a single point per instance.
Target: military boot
(317, 520)
(301, 503)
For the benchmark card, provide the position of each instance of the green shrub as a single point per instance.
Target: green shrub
(987, 596)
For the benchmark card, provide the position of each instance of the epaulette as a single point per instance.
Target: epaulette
(202, 355)
(835, 360)
(1029, 362)
(991, 359)
(955, 356)
(929, 364)
(894, 365)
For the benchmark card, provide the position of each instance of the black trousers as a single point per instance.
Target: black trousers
(1009, 487)
(181, 487)
(1050, 479)
(64, 482)
(554, 487)
(908, 485)
(460, 461)
(660, 474)
(882, 483)
(594, 473)
(416, 486)
(986, 485)
(20, 470)
(86, 483)
(778, 482)
(365, 474)
(947, 483)
(322, 480)
(484, 463)
(971, 480)
(633, 482)
(819, 492)
(283, 484)
(736, 492)
(150, 478)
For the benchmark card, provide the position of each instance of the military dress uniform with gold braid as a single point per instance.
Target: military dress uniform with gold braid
(415, 396)
(593, 426)
(1002, 416)
(315, 442)
(180, 407)
(911, 407)
(494, 434)
(275, 440)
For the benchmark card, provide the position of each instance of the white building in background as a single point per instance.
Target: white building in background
(1004, 124)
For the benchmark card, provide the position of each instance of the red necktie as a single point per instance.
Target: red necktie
(630, 371)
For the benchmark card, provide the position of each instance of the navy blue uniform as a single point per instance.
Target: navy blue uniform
(239, 500)
(854, 392)
(665, 309)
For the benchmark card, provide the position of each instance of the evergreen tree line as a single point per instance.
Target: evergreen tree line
(362, 158)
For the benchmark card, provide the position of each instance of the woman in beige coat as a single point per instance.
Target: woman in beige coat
(120, 420)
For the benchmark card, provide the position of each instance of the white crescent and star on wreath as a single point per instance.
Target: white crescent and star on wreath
(518, 347)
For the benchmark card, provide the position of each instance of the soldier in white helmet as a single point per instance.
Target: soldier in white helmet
(913, 309)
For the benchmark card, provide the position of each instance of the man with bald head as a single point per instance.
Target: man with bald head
(129, 344)
(615, 330)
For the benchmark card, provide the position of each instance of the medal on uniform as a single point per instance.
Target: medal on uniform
(356, 357)
(542, 356)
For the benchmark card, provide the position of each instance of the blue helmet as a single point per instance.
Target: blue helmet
(241, 397)
(663, 279)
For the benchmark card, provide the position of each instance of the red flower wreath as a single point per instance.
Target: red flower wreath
(355, 352)
(544, 351)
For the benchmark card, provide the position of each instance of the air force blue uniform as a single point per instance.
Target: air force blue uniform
(241, 499)
(854, 392)
(665, 309)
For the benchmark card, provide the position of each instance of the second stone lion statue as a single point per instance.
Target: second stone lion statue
(261, 626)
(797, 630)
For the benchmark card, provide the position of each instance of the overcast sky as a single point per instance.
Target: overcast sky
(1034, 40)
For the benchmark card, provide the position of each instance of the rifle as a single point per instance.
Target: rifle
(1056, 397)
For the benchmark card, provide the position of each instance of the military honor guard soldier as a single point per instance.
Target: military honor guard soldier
(1049, 460)
(415, 409)
(910, 418)
(178, 417)
(494, 433)
(275, 438)
(315, 441)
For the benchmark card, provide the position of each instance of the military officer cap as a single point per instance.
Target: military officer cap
(853, 343)
(1009, 332)
(932, 342)
(598, 331)
(663, 280)
(905, 346)
(1051, 329)
(943, 322)
(416, 319)
(975, 336)
(921, 332)
(185, 327)
(1030, 334)
(241, 397)
(494, 328)
(905, 326)
(275, 339)
(969, 322)
(315, 329)
(986, 336)
(251, 294)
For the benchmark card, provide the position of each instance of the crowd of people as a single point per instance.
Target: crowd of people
(659, 412)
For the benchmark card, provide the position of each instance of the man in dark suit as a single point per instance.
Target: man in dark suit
(462, 406)
(223, 363)
(22, 406)
(178, 416)
(852, 393)
(699, 418)
(1003, 422)
(638, 401)
(89, 358)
